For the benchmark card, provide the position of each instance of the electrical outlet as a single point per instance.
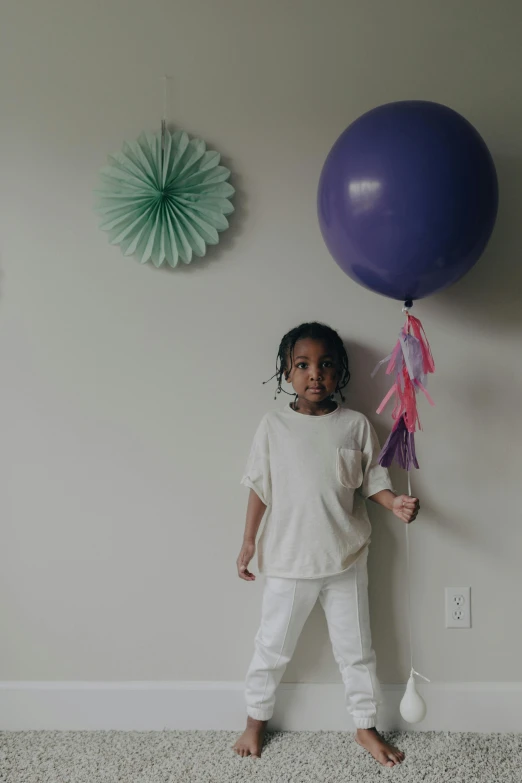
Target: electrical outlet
(458, 607)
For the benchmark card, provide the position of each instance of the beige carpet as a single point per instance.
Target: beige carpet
(289, 757)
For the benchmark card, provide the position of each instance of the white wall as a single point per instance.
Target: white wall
(129, 395)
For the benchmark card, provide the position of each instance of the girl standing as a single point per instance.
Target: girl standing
(311, 467)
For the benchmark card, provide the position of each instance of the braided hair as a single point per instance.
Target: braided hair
(314, 331)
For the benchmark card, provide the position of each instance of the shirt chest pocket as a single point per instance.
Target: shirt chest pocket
(349, 468)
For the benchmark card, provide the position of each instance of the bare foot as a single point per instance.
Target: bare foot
(387, 755)
(251, 741)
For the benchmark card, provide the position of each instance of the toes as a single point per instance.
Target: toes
(243, 752)
(385, 760)
(396, 754)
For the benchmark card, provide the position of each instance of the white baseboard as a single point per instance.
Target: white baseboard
(155, 706)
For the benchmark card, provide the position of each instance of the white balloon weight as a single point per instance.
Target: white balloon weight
(413, 706)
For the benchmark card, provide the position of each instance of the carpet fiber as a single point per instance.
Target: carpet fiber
(292, 757)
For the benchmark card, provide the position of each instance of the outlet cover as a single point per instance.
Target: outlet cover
(458, 607)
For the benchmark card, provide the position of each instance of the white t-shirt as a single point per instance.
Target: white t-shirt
(314, 473)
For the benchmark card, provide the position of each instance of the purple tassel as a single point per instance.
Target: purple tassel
(412, 353)
(399, 446)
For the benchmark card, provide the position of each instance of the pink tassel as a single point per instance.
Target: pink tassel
(391, 366)
(383, 403)
(426, 394)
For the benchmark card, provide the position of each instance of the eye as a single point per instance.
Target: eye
(328, 364)
(301, 365)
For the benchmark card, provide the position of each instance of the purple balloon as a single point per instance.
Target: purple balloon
(408, 198)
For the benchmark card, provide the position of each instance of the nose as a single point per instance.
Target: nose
(315, 375)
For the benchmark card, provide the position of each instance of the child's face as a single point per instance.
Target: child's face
(314, 371)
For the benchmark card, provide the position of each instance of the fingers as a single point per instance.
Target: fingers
(409, 502)
(246, 554)
(244, 573)
(407, 513)
(408, 516)
(407, 508)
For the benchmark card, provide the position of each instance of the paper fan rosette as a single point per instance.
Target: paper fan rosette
(164, 197)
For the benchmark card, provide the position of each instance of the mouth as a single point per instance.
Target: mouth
(316, 389)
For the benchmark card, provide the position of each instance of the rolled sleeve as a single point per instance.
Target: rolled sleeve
(257, 470)
(375, 477)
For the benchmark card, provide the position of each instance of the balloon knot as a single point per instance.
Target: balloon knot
(419, 675)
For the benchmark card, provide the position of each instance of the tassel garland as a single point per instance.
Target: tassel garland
(410, 362)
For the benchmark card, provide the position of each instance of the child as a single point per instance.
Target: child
(311, 466)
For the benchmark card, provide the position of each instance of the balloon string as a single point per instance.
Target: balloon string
(408, 304)
(165, 98)
(164, 118)
(412, 670)
(408, 576)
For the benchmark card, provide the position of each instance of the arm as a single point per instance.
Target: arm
(255, 511)
(403, 506)
(377, 485)
(257, 477)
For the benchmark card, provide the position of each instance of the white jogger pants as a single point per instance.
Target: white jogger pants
(286, 605)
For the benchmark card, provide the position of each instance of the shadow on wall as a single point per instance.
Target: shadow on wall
(491, 294)
(492, 291)
(313, 660)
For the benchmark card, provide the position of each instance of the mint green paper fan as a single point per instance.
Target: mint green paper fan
(164, 204)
